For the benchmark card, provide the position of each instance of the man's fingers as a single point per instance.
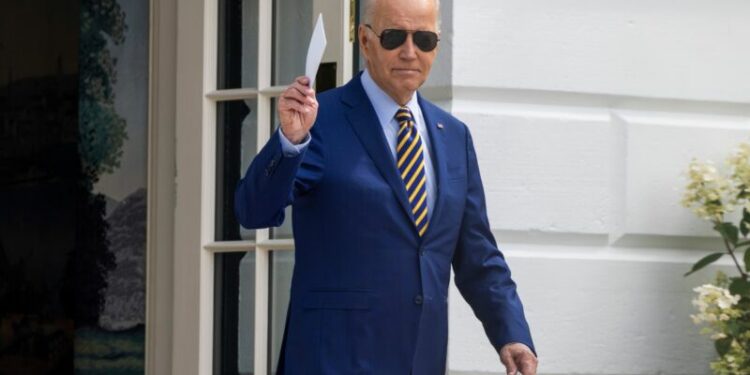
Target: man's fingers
(305, 91)
(299, 94)
(294, 105)
(294, 96)
(297, 109)
(507, 359)
(302, 83)
(302, 80)
(528, 363)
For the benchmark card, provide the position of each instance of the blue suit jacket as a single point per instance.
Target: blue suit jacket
(368, 295)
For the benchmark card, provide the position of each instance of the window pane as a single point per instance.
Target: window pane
(285, 230)
(237, 140)
(238, 44)
(282, 265)
(234, 313)
(290, 43)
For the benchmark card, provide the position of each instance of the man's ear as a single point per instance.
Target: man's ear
(364, 41)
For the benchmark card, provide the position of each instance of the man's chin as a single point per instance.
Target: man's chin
(408, 85)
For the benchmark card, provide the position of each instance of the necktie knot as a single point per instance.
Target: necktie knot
(404, 116)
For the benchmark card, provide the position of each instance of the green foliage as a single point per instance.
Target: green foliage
(735, 360)
(739, 286)
(729, 232)
(101, 130)
(102, 133)
(724, 307)
(708, 259)
(723, 345)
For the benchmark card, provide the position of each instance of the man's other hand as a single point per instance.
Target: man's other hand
(297, 110)
(518, 357)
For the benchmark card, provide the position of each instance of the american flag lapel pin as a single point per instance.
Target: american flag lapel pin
(440, 125)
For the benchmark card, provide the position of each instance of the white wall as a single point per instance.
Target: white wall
(584, 115)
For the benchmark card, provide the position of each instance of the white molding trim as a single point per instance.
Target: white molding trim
(245, 246)
(193, 267)
(245, 93)
(265, 39)
(232, 94)
(161, 187)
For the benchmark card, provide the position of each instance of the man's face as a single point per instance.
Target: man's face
(401, 71)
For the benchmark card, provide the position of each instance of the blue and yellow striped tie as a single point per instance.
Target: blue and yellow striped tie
(410, 161)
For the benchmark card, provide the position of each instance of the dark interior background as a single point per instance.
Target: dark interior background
(59, 132)
(40, 187)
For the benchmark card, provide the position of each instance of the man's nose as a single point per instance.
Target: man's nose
(408, 50)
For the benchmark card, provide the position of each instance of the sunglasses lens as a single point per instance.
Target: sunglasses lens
(391, 38)
(425, 40)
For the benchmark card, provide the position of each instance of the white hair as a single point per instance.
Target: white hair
(368, 7)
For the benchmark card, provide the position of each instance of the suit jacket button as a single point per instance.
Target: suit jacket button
(418, 299)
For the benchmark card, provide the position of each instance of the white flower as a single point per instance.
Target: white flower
(709, 194)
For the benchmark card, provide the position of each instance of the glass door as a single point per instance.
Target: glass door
(262, 46)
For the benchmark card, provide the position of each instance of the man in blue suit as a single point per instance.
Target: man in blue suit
(386, 196)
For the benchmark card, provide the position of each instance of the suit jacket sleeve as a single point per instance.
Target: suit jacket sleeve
(274, 181)
(481, 273)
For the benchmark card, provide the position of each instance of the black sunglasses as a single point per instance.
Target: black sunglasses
(393, 38)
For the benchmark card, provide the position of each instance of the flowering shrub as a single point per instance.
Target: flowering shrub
(724, 307)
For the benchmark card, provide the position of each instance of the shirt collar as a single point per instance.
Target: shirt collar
(385, 107)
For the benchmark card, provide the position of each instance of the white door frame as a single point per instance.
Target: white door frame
(182, 171)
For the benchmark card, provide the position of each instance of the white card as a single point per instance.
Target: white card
(315, 50)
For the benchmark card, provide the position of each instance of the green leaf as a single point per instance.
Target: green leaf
(723, 345)
(744, 227)
(740, 286)
(742, 244)
(729, 231)
(734, 329)
(708, 259)
(747, 259)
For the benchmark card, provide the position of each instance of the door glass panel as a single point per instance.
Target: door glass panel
(237, 141)
(238, 44)
(282, 266)
(234, 313)
(285, 230)
(290, 43)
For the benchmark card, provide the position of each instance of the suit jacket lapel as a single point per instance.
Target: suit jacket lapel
(439, 162)
(364, 121)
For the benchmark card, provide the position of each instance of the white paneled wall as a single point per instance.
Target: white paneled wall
(686, 49)
(585, 114)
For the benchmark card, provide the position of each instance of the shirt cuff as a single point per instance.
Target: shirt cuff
(290, 149)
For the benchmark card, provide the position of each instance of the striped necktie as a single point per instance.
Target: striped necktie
(410, 156)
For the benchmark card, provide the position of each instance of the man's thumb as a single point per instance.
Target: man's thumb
(507, 360)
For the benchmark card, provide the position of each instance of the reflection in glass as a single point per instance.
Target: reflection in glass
(290, 43)
(238, 44)
(237, 140)
(234, 313)
(282, 266)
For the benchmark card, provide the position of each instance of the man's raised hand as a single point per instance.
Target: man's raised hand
(297, 110)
